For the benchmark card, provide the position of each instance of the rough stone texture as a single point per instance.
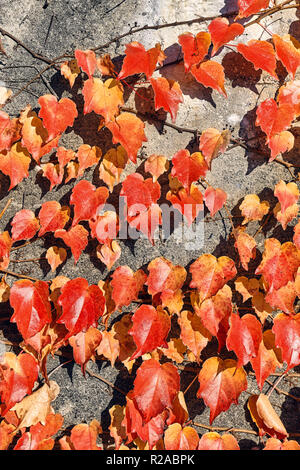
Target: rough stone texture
(57, 26)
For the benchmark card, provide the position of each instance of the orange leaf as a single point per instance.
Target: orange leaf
(87, 157)
(246, 246)
(188, 202)
(164, 276)
(213, 310)
(287, 194)
(156, 165)
(279, 264)
(84, 345)
(83, 437)
(70, 71)
(15, 163)
(280, 143)
(265, 417)
(213, 441)
(287, 337)
(87, 200)
(112, 166)
(276, 444)
(55, 256)
(103, 98)
(178, 438)
(213, 142)
(274, 119)
(289, 94)
(253, 209)
(194, 48)
(128, 130)
(109, 253)
(211, 75)
(18, 375)
(126, 285)
(192, 333)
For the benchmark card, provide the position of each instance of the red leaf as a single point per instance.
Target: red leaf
(87, 61)
(210, 74)
(76, 238)
(221, 384)
(24, 225)
(140, 194)
(87, 200)
(273, 119)
(268, 358)
(150, 329)
(261, 54)
(287, 194)
(164, 276)
(84, 345)
(250, 7)
(128, 130)
(167, 95)
(188, 202)
(18, 375)
(9, 131)
(57, 115)
(194, 48)
(105, 227)
(279, 263)
(155, 387)
(81, 304)
(32, 309)
(188, 168)
(244, 337)
(209, 274)
(5, 247)
(214, 199)
(126, 285)
(138, 60)
(287, 53)
(246, 246)
(287, 337)
(52, 217)
(222, 33)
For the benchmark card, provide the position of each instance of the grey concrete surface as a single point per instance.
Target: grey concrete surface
(54, 27)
